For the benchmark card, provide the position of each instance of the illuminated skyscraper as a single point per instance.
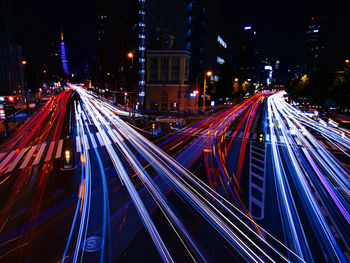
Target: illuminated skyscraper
(63, 55)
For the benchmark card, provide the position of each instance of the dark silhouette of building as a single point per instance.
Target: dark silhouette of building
(247, 55)
(11, 71)
(120, 31)
(326, 44)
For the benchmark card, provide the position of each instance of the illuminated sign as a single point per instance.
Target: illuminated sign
(268, 67)
(247, 28)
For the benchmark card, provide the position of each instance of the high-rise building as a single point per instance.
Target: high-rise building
(316, 40)
(326, 44)
(11, 69)
(121, 31)
(247, 55)
(195, 26)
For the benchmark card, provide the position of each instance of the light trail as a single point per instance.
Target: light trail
(314, 171)
(175, 175)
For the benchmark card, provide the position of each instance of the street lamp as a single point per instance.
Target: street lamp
(347, 61)
(130, 56)
(24, 63)
(207, 74)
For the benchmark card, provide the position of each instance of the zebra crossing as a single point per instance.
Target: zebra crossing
(30, 156)
(219, 133)
(328, 145)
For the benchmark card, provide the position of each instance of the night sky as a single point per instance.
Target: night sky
(280, 25)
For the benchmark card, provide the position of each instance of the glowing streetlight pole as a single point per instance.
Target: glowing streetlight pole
(207, 74)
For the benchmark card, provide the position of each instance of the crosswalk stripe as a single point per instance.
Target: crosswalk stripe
(78, 144)
(298, 142)
(40, 154)
(330, 145)
(253, 136)
(100, 139)
(28, 157)
(113, 136)
(87, 142)
(94, 144)
(229, 133)
(2, 155)
(49, 152)
(7, 159)
(15, 162)
(219, 133)
(196, 131)
(341, 146)
(59, 149)
(106, 137)
(282, 140)
(118, 135)
(323, 144)
(190, 130)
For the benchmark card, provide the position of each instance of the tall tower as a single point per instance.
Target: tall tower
(63, 55)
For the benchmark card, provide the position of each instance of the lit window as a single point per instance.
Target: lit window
(220, 60)
(222, 42)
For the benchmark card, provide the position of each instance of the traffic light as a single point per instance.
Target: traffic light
(153, 126)
(261, 137)
(67, 155)
(11, 99)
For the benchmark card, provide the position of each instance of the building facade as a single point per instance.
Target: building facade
(168, 87)
(195, 26)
